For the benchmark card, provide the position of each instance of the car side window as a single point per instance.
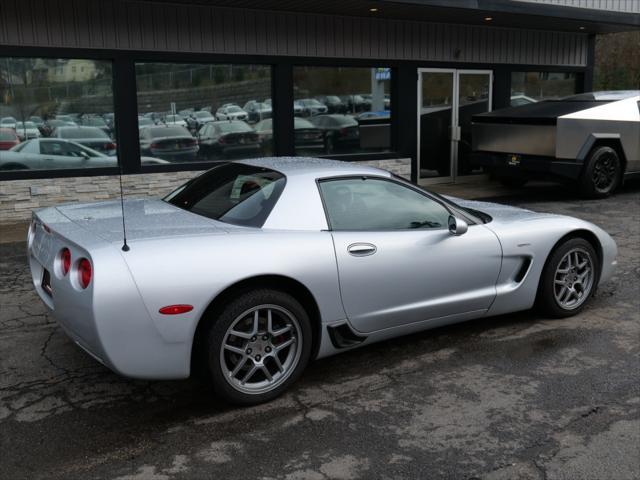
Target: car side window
(376, 204)
(52, 148)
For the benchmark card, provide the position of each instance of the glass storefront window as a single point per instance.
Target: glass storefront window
(345, 110)
(531, 87)
(203, 112)
(56, 113)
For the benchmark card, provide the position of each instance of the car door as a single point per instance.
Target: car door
(397, 261)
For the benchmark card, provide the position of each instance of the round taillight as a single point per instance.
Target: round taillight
(65, 260)
(84, 272)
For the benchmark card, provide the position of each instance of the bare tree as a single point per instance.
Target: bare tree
(617, 61)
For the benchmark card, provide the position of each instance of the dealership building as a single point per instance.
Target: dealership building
(157, 91)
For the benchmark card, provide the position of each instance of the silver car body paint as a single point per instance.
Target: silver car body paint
(417, 279)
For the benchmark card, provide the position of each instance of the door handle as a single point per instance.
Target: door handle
(361, 249)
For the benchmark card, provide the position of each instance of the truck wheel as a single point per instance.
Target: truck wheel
(602, 173)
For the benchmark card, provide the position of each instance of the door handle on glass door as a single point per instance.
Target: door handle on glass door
(361, 249)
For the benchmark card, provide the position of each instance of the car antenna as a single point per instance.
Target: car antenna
(125, 247)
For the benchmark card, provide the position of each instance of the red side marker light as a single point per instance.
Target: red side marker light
(175, 309)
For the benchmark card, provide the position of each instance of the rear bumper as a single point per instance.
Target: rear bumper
(527, 166)
(108, 319)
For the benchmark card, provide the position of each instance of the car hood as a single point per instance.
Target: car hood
(499, 212)
(144, 219)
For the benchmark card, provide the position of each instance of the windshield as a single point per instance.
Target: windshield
(88, 132)
(232, 193)
(202, 115)
(233, 109)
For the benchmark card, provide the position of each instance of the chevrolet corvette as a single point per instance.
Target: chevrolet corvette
(255, 267)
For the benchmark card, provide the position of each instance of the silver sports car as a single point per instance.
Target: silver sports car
(256, 267)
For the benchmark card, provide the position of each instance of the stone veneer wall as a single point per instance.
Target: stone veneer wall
(19, 197)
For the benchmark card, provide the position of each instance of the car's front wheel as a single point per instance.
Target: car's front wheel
(568, 279)
(258, 346)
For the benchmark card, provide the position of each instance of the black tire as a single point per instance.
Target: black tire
(601, 174)
(513, 182)
(226, 319)
(546, 300)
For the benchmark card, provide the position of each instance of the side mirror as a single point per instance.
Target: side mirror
(457, 226)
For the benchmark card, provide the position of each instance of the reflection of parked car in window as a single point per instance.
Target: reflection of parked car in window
(297, 107)
(91, 137)
(95, 121)
(46, 153)
(8, 138)
(197, 119)
(341, 132)
(168, 142)
(51, 124)
(145, 122)
(50, 153)
(231, 112)
(257, 110)
(333, 103)
(67, 118)
(176, 120)
(311, 107)
(306, 135)
(227, 138)
(39, 122)
(26, 130)
(57, 147)
(8, 122)
(355, 103)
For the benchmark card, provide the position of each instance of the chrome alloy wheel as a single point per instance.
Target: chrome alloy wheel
(574, 279)
(261, 349)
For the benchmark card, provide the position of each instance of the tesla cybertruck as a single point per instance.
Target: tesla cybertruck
(590, 139)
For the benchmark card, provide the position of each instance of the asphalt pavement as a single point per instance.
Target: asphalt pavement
(512, 397)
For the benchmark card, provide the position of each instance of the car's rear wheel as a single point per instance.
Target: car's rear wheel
(568, 279)
(602, 173)
(258, 346)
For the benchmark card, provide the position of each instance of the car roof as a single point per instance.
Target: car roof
(314, 167)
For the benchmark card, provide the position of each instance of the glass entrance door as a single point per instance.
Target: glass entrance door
(436, 95)
(474, 96)
(447, 99)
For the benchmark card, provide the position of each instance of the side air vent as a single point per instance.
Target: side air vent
(522, 271)
(343, 337)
